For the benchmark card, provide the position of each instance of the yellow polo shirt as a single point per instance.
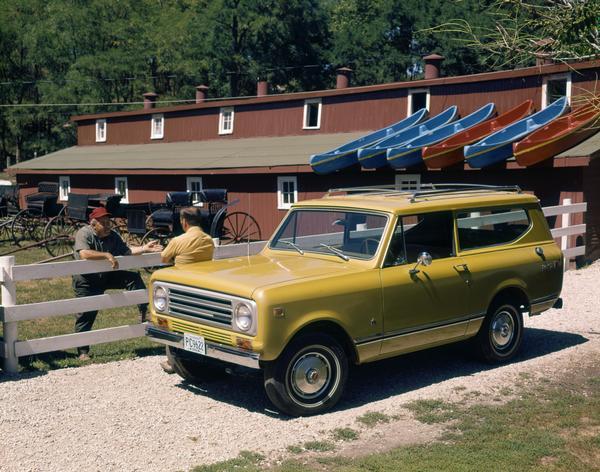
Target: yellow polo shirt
(192, 246)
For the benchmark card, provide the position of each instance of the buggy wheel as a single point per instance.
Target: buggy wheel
(24, 227)
(239, 227)
(162, 235)
(59, 235)
(5, 231)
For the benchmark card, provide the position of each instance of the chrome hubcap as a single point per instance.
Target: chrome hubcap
(310, 375)
(503, 330)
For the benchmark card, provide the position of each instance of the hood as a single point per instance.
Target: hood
(241, 276)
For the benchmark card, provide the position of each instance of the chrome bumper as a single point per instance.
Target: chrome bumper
(224, 353)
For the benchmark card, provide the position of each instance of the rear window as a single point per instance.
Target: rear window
(490, 227)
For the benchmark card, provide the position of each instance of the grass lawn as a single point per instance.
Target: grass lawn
(60, 288)
(550, 427)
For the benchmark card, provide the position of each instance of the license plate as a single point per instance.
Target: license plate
(194, 343)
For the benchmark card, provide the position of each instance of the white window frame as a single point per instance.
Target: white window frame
(157, 133)
(62, 196)
(409, 99)
(101, 125)
(548, 78)
(125, 198)
(312, 101)
(281, 205)
(406, 181)
(189, 182)
(222, 112)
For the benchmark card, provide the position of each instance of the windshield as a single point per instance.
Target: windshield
(345, 234)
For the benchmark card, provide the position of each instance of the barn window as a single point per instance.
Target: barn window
(408, 182)
(417, 99)
(157, 127)
(101, 131)
(122, 189)
(64, 187)
(226, 120)
(555, 87)
(312, 113)
(194, 185)
(287, 192)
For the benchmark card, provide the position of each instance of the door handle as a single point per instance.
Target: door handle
(461, 268)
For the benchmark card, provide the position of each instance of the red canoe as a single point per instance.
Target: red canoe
(558, 135)
(450, 151)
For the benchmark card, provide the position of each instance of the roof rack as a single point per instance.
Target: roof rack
(431, 189)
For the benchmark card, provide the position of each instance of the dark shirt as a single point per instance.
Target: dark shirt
(86, 238)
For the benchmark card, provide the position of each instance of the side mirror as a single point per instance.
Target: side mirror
(424, 259)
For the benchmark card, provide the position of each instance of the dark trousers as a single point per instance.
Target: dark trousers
(96, 284)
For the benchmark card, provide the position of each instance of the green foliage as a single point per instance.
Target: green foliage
(344, 434)
(372, 418)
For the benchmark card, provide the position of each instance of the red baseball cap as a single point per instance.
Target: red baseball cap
(99, 212)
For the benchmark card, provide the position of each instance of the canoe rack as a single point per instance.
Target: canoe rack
(426, 190)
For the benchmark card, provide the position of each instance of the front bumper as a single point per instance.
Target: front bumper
(224, 353)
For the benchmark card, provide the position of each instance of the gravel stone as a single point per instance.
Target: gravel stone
(131, 416)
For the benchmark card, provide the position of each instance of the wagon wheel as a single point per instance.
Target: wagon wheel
(5, 231)
(162, 235)
(25, 227)
(239, 227)
(59, 234)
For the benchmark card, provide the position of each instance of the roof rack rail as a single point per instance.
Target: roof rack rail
(367, 189)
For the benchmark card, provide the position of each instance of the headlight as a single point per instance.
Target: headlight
(160, 298)
(242, 316)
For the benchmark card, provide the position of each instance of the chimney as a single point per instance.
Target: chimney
(432, 66)
(542, 57)
(262, 88)
(201, 93)
(343, 77)
(149, 100)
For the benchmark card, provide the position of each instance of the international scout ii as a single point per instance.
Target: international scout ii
(358, 276)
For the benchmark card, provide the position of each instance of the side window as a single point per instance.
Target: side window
(226, 120)
(555, 87)
(428, 232)
(287, 192)
(489, 227)
(157, 128)
(122, 188)
(101, 131)
(194, 186)
(417, 99)
(64, 187)
(312, 114)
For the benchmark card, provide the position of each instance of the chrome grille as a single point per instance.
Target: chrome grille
(196, 304)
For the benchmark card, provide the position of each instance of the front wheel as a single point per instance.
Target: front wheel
(309, 377)
(501, 333)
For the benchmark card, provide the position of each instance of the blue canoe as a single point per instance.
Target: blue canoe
(497, 147)
(345, 156)
(409, 154)
(373, 157)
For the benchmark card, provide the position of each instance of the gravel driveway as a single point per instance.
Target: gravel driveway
(130, 415)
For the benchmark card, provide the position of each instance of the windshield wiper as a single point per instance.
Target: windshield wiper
(337, 252)
(292, 245)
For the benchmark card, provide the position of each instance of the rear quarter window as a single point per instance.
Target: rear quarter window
(491, 226)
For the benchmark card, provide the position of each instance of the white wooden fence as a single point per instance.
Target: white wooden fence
(11, 313)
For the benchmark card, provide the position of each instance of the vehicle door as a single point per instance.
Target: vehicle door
(423, 304)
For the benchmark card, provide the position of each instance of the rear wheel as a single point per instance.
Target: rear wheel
(309, 377)
(501, 334)
(196, 369)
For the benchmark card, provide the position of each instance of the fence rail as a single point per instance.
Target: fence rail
(11, 313)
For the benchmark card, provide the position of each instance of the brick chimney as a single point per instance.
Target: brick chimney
(201, 93)
(343, 77)
(149, 100)
(432, 66)
(262, 88)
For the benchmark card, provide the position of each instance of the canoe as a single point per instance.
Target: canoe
(373, 157)
(346, 155)
(558, 136)
(450, 151)
(409, 154)
(497, 147)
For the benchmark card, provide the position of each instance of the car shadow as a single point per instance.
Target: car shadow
(379, 380)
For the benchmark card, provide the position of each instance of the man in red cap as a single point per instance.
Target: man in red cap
(97, 241)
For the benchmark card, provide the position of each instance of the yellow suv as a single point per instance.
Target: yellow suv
(360, 275)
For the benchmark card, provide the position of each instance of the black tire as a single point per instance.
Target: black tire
(194, 368)
(309, 377)
(501, 333)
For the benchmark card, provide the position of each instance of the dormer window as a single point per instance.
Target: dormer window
(158, 127)
(312, 113)
(101, 131)
(417, 99)
(226, 120)
(555, 87)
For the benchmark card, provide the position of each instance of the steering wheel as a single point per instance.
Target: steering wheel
(367, 243)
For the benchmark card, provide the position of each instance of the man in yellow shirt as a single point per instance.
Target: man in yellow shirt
(194, 245)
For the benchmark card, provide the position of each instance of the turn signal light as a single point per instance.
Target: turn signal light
(162, 322)
(242, 343)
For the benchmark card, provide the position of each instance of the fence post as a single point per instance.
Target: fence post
(9, 298)
(564, 240)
